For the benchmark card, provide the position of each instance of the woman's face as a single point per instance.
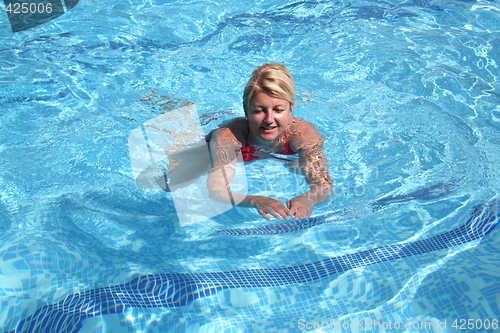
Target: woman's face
(268, 116)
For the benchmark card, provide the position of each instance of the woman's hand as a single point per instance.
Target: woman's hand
(271, 206)
(300, 208)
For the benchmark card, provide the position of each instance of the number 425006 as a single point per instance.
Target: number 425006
(31, 8)
(463, 324)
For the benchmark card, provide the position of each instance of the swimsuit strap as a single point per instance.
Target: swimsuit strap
(248, 153)
(248, 132)
(287, 150)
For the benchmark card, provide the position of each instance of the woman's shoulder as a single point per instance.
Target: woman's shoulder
(302, 135)
(235, 124)
(233, 130)
(300, 128)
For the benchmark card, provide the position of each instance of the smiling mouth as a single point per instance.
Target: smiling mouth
(270, 128)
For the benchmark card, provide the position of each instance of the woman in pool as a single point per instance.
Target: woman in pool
(269, 130)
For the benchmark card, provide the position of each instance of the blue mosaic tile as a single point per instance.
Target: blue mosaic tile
(181, 289)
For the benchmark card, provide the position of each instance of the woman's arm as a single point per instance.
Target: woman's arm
(224, 147)
(313, 165)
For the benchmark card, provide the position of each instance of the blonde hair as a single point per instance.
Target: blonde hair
(273, 79)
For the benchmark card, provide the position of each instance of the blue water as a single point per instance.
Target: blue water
(406, 95)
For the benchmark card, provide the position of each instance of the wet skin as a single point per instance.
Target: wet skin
(268, 117)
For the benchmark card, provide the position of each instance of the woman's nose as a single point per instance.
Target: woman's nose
(269, 118)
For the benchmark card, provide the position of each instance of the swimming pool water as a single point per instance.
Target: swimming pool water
(405, 94)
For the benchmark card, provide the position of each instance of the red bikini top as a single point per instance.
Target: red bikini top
(252, 153)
